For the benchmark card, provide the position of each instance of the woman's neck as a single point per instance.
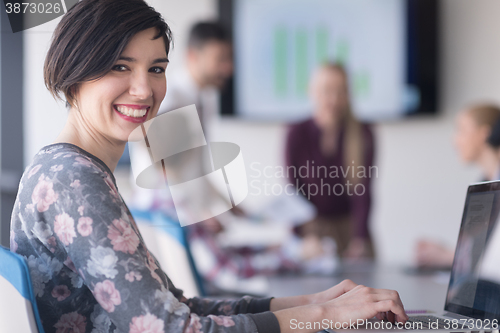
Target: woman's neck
(329, 137)
(327, 126)
(489, 163)
(76, 131)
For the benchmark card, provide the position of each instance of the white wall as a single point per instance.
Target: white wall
(43, 116)
(421, 185)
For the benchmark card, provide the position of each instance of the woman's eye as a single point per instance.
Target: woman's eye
(157, 70)
(119, 68)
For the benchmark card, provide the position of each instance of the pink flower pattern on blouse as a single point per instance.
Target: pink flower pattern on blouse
(71, 323)
(60, 292)
(64, 227)
(107, 295)
(122, 236)
(146, 324)
(90, 270)
(75, 183)
(43, 195)
(194, 325)
(84, 226)
(132, 276)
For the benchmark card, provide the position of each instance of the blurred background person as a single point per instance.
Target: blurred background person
(209, 64)
(477, 140)
(333, 139)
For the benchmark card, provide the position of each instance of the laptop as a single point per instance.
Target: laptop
(473, 299)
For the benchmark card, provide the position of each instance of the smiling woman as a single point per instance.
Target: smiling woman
(127, 95)
(90, 268)
(112, 81)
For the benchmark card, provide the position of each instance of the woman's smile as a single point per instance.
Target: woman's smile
(132, 112)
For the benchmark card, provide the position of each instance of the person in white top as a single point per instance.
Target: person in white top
(209, 64)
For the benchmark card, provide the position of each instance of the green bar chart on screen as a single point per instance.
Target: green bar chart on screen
(301, 70)
(298, 51)
(280, 61)
(275, 59)
(321, 44)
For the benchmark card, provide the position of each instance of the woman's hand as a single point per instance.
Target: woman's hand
(344, 289)
(350, 303)
(364, 303)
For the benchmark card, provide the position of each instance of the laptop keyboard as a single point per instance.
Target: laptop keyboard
(427, 321)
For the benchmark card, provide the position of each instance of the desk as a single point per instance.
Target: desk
(424, 291)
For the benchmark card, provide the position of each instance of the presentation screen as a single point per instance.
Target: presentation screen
(389, 55)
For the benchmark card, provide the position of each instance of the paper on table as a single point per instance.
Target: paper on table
(240, 232)
(289, 209)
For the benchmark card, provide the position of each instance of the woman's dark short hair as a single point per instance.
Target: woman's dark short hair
(90, 38)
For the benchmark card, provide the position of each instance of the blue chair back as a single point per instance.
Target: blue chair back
(18, 309)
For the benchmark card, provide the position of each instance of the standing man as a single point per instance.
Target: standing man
(209, 64)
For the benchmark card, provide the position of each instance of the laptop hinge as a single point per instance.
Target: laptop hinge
(455, 315)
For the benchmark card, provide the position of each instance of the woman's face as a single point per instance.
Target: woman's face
(470, 138)
(329, 95)
(130, 93)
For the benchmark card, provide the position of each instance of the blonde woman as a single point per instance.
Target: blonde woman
(330, 161)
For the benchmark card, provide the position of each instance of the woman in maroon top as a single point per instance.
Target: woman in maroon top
(330, 161)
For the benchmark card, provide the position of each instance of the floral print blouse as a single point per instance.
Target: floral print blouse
(90, 268)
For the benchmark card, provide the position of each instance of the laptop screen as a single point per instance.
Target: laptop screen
(474, 288)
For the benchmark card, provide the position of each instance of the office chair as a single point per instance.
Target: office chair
(18, 309)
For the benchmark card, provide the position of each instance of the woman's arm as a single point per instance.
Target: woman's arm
(346, 302)
(101, 244)
(246, 304)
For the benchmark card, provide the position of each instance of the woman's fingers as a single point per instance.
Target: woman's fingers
(383, 294)
(363, 303)
(393, 308)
